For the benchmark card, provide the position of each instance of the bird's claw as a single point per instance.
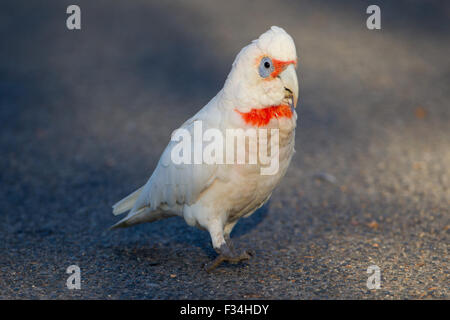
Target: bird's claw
(227, 255)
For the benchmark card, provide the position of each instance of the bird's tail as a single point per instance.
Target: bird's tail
(136, 215)
(139, 216)
(126, 203)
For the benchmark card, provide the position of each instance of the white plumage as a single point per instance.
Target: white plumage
(214, 196)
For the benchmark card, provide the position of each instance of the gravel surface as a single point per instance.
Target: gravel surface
(85, 115)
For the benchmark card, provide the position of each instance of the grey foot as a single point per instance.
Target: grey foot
(228, 255)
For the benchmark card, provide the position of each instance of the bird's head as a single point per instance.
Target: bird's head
(263, 73)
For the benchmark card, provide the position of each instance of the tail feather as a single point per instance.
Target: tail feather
(126, 203)
(129, 220)
(144, 214)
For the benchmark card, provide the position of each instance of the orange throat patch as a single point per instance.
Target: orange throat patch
(262, 117)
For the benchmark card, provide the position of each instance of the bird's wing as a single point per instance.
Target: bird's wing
(179, 184)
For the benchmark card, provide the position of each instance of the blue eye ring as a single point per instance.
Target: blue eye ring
(265, 67)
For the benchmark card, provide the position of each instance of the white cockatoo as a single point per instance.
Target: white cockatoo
(260, 92)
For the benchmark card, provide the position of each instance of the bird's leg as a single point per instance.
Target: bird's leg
(226, 254)
(229, 242)
(227, 231)
(232, 248)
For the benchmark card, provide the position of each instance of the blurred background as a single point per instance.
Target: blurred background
(86, 114)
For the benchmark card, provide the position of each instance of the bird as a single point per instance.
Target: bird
(259, 93)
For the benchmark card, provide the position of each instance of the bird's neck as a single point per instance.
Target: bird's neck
(262, 117)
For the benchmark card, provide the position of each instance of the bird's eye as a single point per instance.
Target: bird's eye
(265, 67)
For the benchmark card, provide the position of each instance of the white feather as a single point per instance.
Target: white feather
(214, 197)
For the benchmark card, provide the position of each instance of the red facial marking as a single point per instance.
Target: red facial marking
(279, 66)
(261, 117)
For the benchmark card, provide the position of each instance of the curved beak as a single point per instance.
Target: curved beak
(290, 82)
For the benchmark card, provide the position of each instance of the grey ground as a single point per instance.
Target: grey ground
(86, 114)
